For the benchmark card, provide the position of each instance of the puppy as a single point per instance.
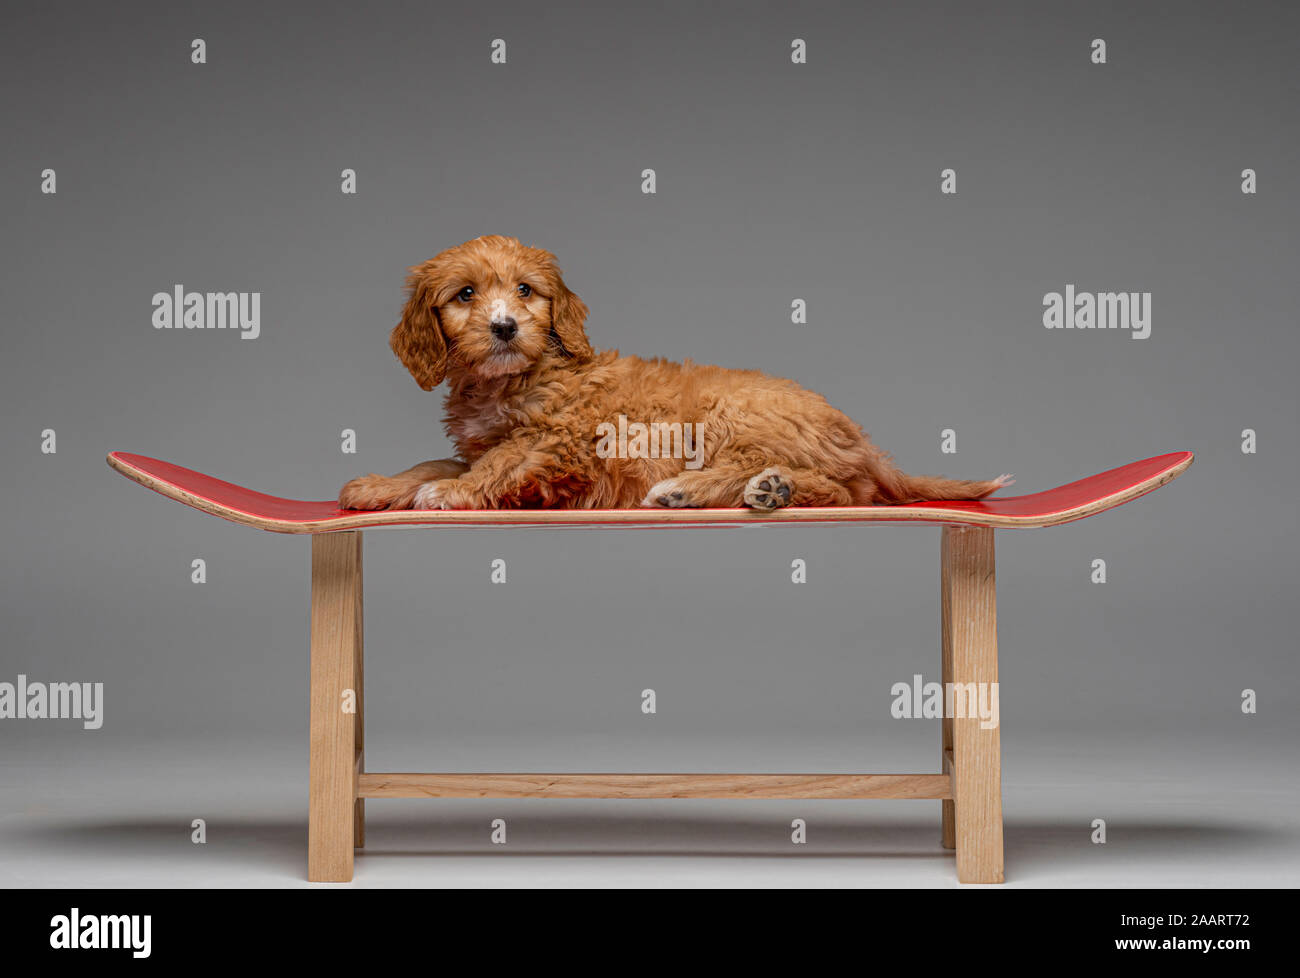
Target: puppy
(531, 408)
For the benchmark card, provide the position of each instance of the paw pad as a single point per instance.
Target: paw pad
(768, 490)
(668, 495)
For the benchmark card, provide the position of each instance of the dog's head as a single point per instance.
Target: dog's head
(492, 307)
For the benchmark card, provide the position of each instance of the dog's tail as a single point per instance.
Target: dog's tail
(893, 486)
(922, 488)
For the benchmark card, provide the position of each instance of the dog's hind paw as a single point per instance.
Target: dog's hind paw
(768, 490)
(668, 494)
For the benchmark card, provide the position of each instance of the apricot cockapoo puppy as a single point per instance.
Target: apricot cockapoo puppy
(541, 419)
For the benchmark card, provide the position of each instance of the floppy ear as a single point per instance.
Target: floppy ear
(568, 315)
(417, 339)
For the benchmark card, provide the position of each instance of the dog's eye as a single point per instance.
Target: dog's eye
(465, 294)
(525, 290)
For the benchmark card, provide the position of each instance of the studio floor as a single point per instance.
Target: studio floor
(1180, 813)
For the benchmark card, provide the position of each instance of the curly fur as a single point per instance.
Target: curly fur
(524, 410)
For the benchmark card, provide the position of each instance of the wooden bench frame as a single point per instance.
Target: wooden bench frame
(969, 785)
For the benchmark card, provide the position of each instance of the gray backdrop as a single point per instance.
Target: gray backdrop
(776, 181)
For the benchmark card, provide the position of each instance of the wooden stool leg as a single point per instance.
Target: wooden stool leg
(335, 630)
(970, 594)
(359, 684)
(949, 836)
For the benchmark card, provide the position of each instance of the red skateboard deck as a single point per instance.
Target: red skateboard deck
(1063, 504)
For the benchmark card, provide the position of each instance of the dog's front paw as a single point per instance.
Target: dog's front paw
(447, 494)
(768, 490)
(669, 494)
(368, 492)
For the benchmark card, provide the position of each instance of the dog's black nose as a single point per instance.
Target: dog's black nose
(504, 329)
